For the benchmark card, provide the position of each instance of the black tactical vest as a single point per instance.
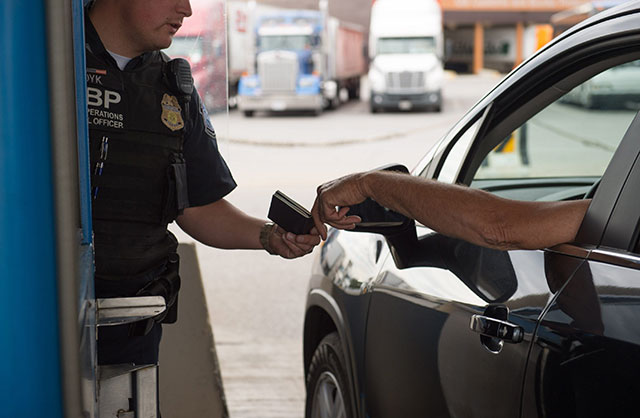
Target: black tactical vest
(138, 175)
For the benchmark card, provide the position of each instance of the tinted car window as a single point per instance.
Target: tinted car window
(574, 136)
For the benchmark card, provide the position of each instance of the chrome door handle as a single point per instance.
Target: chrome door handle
(496, 328)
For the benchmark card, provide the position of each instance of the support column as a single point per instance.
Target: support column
(519, 43)
(478, 48)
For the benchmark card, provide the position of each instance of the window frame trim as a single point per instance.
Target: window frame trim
(623, 228)
(615, 256)
(477, 122)
(602, 207)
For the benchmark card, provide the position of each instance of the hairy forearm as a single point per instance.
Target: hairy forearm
(474, 215)
(222, 225)
(453, 210)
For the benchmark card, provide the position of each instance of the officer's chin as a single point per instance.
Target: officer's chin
(164, 42)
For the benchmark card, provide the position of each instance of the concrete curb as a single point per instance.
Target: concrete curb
(190, 381)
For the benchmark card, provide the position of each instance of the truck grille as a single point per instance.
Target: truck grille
(278, 71)
(406, 82)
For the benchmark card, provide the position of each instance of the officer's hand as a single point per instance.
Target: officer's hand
(288, 245)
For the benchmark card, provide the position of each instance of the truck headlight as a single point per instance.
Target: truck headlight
(433, 78)
(376, 79)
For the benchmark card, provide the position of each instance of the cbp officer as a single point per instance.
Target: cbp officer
(154, 160)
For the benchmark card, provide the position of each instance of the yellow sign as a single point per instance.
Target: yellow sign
(508, 145)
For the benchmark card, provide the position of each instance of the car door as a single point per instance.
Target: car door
(422, 358)
(424, 353)
(586, 355)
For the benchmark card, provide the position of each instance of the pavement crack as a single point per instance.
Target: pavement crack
(338, 142)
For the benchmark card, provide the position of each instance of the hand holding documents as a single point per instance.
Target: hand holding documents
(289, 214)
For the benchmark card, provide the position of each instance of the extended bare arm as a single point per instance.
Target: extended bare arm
(473, 215)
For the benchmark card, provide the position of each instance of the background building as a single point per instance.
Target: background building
(495, 34)
(499, 34)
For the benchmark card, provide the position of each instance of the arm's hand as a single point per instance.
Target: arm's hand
(288, 245)
(333, 200)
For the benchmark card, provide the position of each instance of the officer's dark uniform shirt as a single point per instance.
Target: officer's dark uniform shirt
(208, 177)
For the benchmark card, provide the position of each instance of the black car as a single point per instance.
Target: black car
(404, 322)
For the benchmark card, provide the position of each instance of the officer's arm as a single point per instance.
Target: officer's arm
(222, 225)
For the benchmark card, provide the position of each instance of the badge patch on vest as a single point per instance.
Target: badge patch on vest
(208, 127)
(171, 113)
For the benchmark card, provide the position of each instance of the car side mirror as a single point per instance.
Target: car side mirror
(378, 219)
(487, 272)
(398, 229)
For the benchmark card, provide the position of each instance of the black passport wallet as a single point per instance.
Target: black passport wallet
(289, 214)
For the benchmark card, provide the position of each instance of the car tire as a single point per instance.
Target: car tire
(248, 113)
(327, 394)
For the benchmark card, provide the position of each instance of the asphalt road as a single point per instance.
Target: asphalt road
(256, 301)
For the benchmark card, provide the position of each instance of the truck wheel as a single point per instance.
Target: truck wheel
(330, 104)
(233, 102)
(327, 394)
(356, 93)
(343, 96)
(354, 90)
(248, 113)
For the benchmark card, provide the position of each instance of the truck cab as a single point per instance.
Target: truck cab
(406, 51)
(288, 64)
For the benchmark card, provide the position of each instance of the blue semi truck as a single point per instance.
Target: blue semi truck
(303, 60)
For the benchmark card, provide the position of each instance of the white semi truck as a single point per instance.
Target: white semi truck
(406, 47)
